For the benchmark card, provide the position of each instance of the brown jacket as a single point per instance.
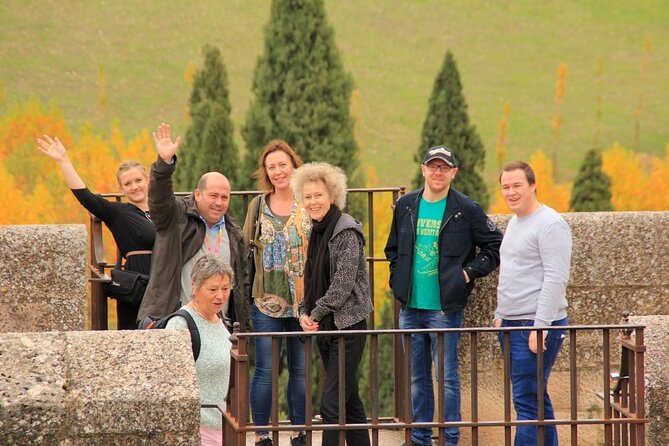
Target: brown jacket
(179, 235)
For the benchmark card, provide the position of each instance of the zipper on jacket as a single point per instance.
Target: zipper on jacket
(413, 232)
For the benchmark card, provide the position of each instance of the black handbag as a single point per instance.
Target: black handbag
(250, 255)
(127, 286)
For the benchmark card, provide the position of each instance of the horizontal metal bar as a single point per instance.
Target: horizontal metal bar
(461, 424)
(392, 331)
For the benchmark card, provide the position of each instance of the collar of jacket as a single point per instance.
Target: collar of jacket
(452, 204)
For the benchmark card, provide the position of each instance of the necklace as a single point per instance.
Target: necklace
(194, 307)
(218, 241)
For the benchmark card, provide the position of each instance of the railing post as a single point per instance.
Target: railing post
(640, 372)
(97, 256)
(238, 402)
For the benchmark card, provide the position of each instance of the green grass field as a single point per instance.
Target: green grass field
(506, 52)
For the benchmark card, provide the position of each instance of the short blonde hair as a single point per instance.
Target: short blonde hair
(127, 165)
(332, 176)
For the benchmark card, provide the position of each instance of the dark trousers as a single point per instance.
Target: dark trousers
(355, 410)
(126, 316)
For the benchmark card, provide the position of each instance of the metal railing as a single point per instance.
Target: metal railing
(623, 418)
(98, 263)
(623, 415)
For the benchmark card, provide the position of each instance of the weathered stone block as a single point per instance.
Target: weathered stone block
(33, 383)
(43, 278)
(103, 388)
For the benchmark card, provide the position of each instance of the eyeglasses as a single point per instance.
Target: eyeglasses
(432, 168)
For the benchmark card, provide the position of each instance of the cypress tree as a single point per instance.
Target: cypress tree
(208, 144)
(592, 187)
(447, 123)
(302, 92)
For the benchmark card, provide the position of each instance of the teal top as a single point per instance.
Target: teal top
(425, 274)
(212, 366)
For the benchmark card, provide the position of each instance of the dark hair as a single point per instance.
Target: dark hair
(519, 165)
(275, 145)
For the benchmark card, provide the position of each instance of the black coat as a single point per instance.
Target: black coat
(464, 228)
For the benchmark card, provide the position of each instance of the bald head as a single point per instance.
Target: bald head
(213, 176)
(212, 197)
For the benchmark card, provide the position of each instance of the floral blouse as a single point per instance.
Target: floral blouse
(284, 241)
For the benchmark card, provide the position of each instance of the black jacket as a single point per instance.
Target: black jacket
(464, 227)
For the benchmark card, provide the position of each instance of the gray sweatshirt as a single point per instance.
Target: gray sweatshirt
(534, 268)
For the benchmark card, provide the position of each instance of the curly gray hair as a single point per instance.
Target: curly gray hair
(332, 176)
(208, 266)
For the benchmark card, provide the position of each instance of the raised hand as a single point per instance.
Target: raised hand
(163, 141)
(52, 148)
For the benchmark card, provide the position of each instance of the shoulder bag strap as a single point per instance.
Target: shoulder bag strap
(194, 332)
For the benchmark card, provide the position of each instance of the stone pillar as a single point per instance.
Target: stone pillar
(101, 388)
(656, 337)
(43, 278)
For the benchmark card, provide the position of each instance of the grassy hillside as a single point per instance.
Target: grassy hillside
(505, 52)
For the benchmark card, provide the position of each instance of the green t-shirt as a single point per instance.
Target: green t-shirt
(425, 274)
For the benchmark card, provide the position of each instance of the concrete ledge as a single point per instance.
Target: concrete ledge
(43, 278)
(103, 388)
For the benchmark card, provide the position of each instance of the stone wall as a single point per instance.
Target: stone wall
(102, 388)
(43, 278)
(620, 262)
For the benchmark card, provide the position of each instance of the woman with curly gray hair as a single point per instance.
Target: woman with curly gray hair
(336, 291)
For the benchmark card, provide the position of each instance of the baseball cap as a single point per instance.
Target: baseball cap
(440, 152)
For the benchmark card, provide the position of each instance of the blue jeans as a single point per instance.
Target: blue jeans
(424, 352)
(261, 386)
(524, 379)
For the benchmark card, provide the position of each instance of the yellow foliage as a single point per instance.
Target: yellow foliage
(14, 205)
(497, 205)
(658, 184)
(555, 195)
(25, 123)
(140, 149)
(382, 219)
(632, 188)
(500, 150)
(189, 74)
(33, 184)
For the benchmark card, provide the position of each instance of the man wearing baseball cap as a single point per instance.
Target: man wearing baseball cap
(434, 263)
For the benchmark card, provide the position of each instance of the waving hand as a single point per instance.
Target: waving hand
(163, 141)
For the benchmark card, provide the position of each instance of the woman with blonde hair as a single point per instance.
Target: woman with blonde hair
(337, 295)
(129, 223)
(278, 228)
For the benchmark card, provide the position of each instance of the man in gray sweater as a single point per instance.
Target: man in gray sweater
(534, 271)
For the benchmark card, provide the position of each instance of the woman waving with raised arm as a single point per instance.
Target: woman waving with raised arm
(129, 223)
